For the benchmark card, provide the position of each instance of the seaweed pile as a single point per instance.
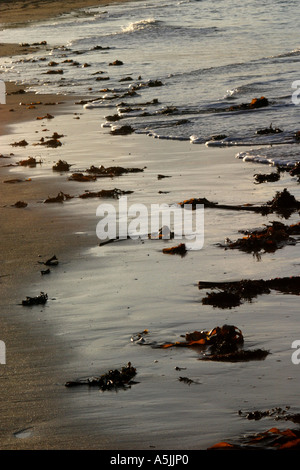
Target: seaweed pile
(113, 193)
(233, 293)
(38, 300)
(112, 171)
(224, 344)
(176, 250)
(272, 439)
(269, 178)
(268, 240)
(283, 203)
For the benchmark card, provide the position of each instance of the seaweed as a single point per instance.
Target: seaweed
(47, 116)
(269, 130)
(123, 130)
(61, 165)
(30, 161)
(273, 439)
(81, 177)
(112, 170)
(61, 197)
(266, 178)
(53, 261)
(247, 289)
(275, 413)
(283, 203)
(254, 104)
(112, 380)
(295, 171)
(108, 193)
(46, 271)
(21, 143)
(268, 239)
(176, 250)
(20, 204)
(187, 381)
(164, 233)
(238, 356)
(219, 344)
(38, 300)
(222, 299)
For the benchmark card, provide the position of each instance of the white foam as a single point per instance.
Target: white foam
(138, 25)
(275, 156)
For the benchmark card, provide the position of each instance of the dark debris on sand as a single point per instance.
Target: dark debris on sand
(112, 380)
(283, 203)
(38, 300)
(247, 290)
(223, 344)
(268, 239)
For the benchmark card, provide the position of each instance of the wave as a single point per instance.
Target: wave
(283, 156)
(292, 53)
(140, 25)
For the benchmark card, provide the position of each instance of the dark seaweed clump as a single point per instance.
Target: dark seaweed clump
(112, 380)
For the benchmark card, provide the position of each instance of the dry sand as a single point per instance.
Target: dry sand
(26, 11)
(98, 298)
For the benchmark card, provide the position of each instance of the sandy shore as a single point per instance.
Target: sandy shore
(33, 355)
(99, 297)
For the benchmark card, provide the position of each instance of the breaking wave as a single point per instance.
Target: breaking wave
(140, 25)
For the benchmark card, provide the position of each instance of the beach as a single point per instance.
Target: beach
(101, 296)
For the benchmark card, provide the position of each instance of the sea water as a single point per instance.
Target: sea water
(183, 66)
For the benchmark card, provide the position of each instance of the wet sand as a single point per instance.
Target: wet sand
(99, 297)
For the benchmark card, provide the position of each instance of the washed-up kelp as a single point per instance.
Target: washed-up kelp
(254, 104)
(277, 413)
(283, 204)
(20, 204)
(61, 197)
(38, 300)
(53, 261)
(219, 344)
(122, 130)
(81, 177)
(269, 239)
(52, 141)
(295, 171)
(105, 193)
(222, 299)
(164, 233)
(273, 439)
(269, 130)
(247, 290)
(21, 143)
(30, 161)
(266, 178)
(61, 165)
(111, 171)
(112, 380)
(176, 250)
